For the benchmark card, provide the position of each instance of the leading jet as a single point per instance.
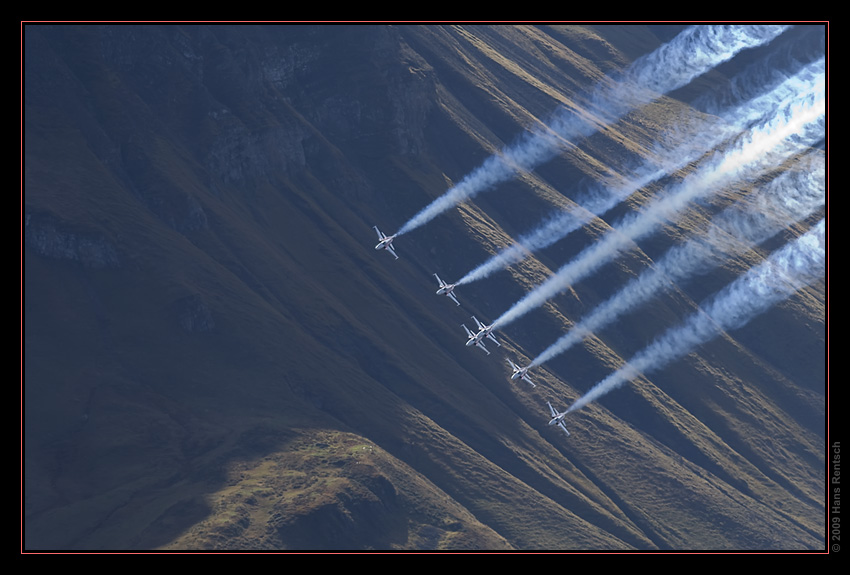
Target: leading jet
(475, 339)
(558, 418)
(446, 289)
(520, 372)
(385, 243)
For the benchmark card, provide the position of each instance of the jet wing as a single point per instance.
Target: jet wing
(552, 409)
(528, 379)
(469, 333)
(564, 427)
(451, 295)
(490, 335)
(439, 281)
(380, 235)
(391, 250)
(481, 345)
(480, 325)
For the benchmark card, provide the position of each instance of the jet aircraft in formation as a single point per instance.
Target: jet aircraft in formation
(385, 242)
(475, 338)
(558, 418)
(520, 372)
(483, 331)
(446, 289)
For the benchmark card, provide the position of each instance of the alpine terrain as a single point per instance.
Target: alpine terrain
(215, 357)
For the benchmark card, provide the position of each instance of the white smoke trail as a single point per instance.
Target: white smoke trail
(767, 71)
(697, 140)
(795, 266)
(558, 225)
(690, 54)
(799, 125)
(790, 197)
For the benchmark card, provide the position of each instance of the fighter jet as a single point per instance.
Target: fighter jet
(385, 243)
(557, 418)
(475, 339)
(446, 289)
(485, 331)
(520, 372)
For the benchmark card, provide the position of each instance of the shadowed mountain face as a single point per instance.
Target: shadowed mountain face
(215, 357)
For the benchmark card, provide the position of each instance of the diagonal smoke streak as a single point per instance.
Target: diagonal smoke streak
(793, 267)
(690, 54)
(686, 148)
(790, 197)
(764, 72)
(799, 125)
(667, 69)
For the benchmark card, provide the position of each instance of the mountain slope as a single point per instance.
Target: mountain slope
(215, 356)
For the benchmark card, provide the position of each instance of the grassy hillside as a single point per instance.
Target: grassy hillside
(216, 358)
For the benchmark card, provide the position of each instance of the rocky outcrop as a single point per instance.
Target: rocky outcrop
(48, 237)
(360, 514)
(269, 95)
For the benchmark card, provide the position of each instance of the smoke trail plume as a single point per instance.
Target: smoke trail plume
(795, 266)
(690, 54)
(799, 125)
(684, 149)
(790, 197)
(693, 52)
(767, 71)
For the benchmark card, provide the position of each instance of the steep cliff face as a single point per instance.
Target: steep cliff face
(216, 357)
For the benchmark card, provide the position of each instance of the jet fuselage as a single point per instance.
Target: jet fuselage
(382, 245)
(474, 339)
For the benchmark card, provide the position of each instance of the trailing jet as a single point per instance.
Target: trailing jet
(485, 331)
(520, 372)
(446, 289)
(474, 339)
(557, 418)
(385, 243)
